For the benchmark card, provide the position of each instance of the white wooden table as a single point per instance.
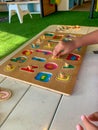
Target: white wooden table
(32, 108)
(21, 8)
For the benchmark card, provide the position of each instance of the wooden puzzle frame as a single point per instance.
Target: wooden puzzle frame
(28, 65)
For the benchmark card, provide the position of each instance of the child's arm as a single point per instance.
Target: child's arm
(66, 47)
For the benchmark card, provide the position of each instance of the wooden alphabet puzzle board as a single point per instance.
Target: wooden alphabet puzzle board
(35, 64)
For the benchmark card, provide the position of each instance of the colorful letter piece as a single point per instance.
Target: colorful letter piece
(29, 68)
(68, 66)
(46, 52)
(63, 77)
(39, 59)
(35, 45)
(51, 66)
(58, 37)
(79, 49)
(66, 39)
(9, 67)
(43, 76)
(49, 34)
(27, 52)
(20, 59)
(72, 56)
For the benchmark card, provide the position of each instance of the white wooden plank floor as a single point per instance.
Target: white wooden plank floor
(29, 108)
(18, 89)
(84, 99)
(32, 108)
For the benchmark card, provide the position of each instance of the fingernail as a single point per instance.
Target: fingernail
(82, 117)
(78, 127)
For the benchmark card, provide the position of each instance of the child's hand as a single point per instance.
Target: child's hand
(87, 122)
(64, 48)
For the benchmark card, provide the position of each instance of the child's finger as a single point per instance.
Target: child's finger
(57, 50)
(93, 117)
(79, 127)
(88, 124)
(62, 52)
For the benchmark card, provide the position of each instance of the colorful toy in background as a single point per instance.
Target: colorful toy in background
(5, 94)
